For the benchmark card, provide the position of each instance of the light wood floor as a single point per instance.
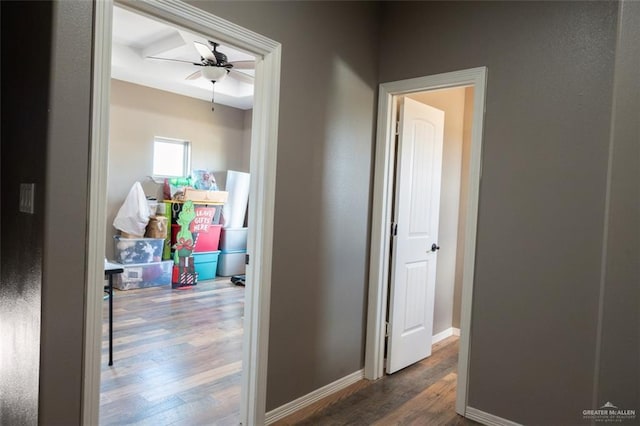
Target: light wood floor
(421, 395)
(177, 356)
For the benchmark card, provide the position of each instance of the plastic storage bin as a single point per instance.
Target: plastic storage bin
(232, 239)
(207, 241)
(231, 263)
(138, 250)
(176, 207)
(204, 241)
(144, 275)
(206, 265)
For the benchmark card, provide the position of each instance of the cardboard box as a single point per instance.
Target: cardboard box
(205, 196)
(157, 227)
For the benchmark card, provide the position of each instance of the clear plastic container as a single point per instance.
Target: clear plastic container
(144, 275)
(138, 250)
(232, 239)
(231, 263)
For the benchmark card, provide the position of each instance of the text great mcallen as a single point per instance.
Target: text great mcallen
(609, 412)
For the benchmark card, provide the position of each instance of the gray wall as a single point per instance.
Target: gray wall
(24, 133)
(541, 212)
(45, 140)
(66, 206)
(619, 369)
(325, 153)
(246, 140)
(542, 195)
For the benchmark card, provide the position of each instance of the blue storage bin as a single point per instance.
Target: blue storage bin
(206, 264)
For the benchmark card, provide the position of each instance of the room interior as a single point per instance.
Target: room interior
(556, 267)
(173, 349)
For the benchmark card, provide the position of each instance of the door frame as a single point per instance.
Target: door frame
(261, 196)
(383, 188)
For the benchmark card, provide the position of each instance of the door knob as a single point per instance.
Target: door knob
(434, 247)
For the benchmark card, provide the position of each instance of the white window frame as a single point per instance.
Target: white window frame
(186, 165)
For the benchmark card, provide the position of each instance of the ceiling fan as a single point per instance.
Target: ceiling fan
(214, 65)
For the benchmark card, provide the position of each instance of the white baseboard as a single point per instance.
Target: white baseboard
(308, 399)
(452, 331)
(487, 419)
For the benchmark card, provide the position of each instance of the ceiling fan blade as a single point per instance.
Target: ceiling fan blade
(240, 76)
(205, 52)
(244, 65)
(173, 60)
(194, 76)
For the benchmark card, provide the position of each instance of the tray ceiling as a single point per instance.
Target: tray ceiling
(135, 37)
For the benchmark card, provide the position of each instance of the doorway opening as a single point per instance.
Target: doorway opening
(263, 143)
(176, 354)
(459, 200)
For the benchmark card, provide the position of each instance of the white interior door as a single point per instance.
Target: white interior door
(417, 206)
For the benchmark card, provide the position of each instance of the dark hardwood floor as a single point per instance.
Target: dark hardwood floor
(177, 356)
(177, 361)
(422, 394)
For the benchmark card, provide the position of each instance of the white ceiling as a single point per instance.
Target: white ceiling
(135, 37)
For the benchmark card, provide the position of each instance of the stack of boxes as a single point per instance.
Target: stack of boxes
(142, 258)
(233, 246)
(233, 241)
(142, 263)
(205, 229)
(216, 250)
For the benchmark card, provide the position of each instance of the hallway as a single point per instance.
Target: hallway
(422, 394)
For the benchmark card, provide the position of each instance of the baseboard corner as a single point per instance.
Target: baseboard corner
(487, 419)
(308, 399)
(438, 337)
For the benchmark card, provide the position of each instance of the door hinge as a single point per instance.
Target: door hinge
(386, 329)
(394, 229)
(246, 259)
(397, 128)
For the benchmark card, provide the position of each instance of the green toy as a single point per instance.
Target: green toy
(184, 238)
(181, 181)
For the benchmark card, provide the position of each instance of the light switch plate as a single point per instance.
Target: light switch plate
(27, 191)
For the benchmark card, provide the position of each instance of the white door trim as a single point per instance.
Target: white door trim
(261, 199)
(381, 217)
(101, 83)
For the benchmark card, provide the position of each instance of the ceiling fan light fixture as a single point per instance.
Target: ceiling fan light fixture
(214, 73)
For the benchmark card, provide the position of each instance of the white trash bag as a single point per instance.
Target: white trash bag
(133, 216)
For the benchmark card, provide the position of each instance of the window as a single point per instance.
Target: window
(171, 157)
